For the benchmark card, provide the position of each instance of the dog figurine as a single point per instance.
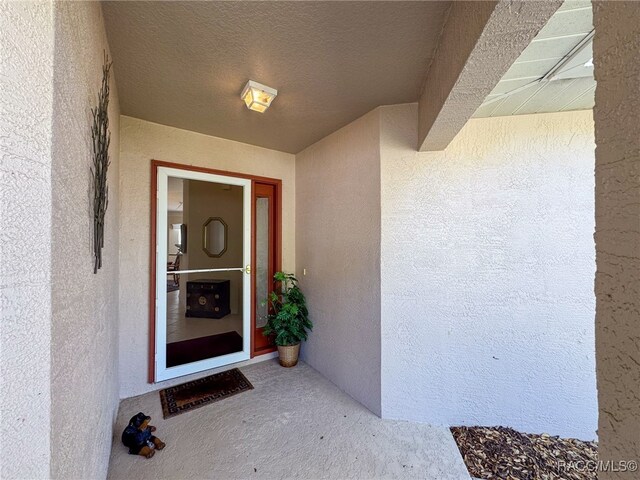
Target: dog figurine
(138, 439)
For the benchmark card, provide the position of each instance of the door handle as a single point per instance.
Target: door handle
(247, 269)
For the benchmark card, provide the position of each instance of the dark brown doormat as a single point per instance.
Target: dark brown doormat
(504, 453)
(187, 351)
(201, 392)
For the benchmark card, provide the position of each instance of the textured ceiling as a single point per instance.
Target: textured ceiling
(184, 63)
(524, 88)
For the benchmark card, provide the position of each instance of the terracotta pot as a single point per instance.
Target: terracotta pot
(289, 355)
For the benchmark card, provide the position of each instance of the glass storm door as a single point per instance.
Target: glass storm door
(203, 272)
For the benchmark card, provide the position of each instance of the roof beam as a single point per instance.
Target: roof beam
(479, 42)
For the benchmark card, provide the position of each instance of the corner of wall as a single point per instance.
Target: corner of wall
(617, 169)
(85, 308)
(338, 243)
(398, 129)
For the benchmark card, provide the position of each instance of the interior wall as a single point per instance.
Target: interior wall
(338, 243)
(208, 200)
(140, 142)
(487, 274)
(26, 99)
(616, 49)
(84, 343)
(173, 235)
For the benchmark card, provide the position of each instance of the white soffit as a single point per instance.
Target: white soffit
(531, 85)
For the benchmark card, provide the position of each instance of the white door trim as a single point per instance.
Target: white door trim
(161, 370)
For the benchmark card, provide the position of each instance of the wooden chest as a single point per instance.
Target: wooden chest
(208, 298)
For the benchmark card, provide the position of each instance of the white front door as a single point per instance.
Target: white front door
(185, 341)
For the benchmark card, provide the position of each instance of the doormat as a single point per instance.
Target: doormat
(196, 349)
(198, 393)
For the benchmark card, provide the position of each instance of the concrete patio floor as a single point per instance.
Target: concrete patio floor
(294, 424)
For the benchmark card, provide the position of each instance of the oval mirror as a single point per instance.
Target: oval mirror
(214, 237)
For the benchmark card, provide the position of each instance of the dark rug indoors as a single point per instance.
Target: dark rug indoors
(188, 351)
(198, 393)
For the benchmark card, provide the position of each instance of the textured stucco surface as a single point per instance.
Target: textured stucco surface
(84, 343)
(479, 42)
(487, 274)
(617, 118)
(293, 424)
(26, 99)
(140, 142)
(338, 243)
(331, 62)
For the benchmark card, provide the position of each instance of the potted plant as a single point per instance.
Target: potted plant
(288, 320)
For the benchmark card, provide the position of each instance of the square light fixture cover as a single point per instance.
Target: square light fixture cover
(258, 97)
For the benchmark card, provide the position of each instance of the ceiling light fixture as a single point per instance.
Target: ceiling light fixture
(258, 97)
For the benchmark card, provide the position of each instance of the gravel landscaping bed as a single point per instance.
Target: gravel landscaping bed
(504, 453)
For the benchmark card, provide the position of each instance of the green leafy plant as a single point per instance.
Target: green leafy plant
(288, 320)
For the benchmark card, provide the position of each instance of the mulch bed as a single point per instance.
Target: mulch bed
(504, 453)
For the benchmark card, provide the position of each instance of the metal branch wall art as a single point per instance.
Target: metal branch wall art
(101, 137)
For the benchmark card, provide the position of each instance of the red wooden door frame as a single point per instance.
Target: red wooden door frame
(277, 209)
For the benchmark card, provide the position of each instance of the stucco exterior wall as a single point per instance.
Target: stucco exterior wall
(26, 99)
(487, 274)
(140, 142)
(84, 343)
(338, 243)
(616, 51)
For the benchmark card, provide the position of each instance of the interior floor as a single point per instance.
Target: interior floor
(180, 327)
(294, 424)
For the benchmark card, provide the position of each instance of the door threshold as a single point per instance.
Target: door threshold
(244, 363)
